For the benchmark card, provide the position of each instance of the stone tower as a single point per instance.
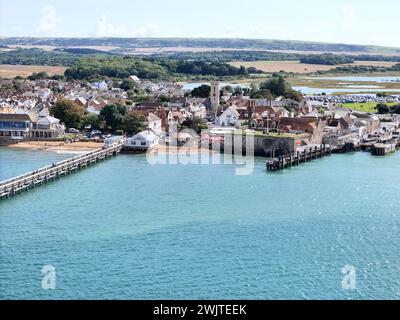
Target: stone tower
(215, 95)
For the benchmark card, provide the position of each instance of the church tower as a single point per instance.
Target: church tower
(215, 95)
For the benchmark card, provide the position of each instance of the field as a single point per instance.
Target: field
(365, 107)
(297, 67)
(12, 71)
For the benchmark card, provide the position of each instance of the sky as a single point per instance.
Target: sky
(368, 22)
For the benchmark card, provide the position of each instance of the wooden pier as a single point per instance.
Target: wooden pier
(25, 182)
(302, 155)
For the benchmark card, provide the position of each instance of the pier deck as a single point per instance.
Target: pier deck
(302, 155)
(30, 180)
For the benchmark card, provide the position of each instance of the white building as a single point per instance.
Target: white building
(154, 123)
(229, 118)
(135, 79)
(100, 86)
(48, 127)
(142, 141)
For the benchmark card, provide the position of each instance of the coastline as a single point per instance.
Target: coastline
(73, 147)
(79, 147)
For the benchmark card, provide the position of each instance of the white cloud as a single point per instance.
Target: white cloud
(106, 29)
(49, 21)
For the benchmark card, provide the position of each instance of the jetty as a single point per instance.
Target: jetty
(11, 187)
(302, 155)
(382, 149)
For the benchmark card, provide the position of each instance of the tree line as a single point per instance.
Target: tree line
(383, 108)
(114, 116)
(148, 68)
(361, 69)
(327, 59)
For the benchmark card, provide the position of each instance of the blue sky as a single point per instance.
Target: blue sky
(345, 21)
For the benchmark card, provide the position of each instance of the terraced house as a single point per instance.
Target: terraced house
(16, 127)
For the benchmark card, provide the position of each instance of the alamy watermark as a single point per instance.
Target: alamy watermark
(349, 281)
(187, 147)
(49, 278)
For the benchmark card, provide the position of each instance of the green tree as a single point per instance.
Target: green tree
(382, 108)
(92, 120)
(69, 112)
(128, 84)
(134, 122)
(114, 116)
(196, 124)
(294, 95)
(261, 94)
(277, 86)
(201, 92)
(396, 109)
(39, 75)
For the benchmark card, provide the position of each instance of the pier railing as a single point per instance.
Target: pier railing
(11, 187)
(302, 155)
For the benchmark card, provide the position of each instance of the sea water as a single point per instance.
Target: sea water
(124, 229)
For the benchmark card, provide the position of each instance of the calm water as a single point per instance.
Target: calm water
(193, 85)
(363, 79)
(309, 90)
(16, 162)
(127, 230)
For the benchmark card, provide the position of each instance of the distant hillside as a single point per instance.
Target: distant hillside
(132, 43)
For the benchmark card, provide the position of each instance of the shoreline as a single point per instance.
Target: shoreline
(72, 147)
(82, 147)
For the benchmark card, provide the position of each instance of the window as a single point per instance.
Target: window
(143, 143)
(14, 125)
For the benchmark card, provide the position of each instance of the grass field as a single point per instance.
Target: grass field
(364, 107)
(12, 71)
(297, 67)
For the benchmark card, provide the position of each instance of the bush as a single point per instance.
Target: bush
(382, 108)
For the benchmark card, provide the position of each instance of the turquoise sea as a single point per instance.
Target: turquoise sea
(125, 229)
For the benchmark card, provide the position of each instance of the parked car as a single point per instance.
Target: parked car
(95, 132)
(73, 130)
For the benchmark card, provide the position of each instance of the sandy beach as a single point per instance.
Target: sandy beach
(90, 146)
(58, 146)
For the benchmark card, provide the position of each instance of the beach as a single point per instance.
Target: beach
(60, 146)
